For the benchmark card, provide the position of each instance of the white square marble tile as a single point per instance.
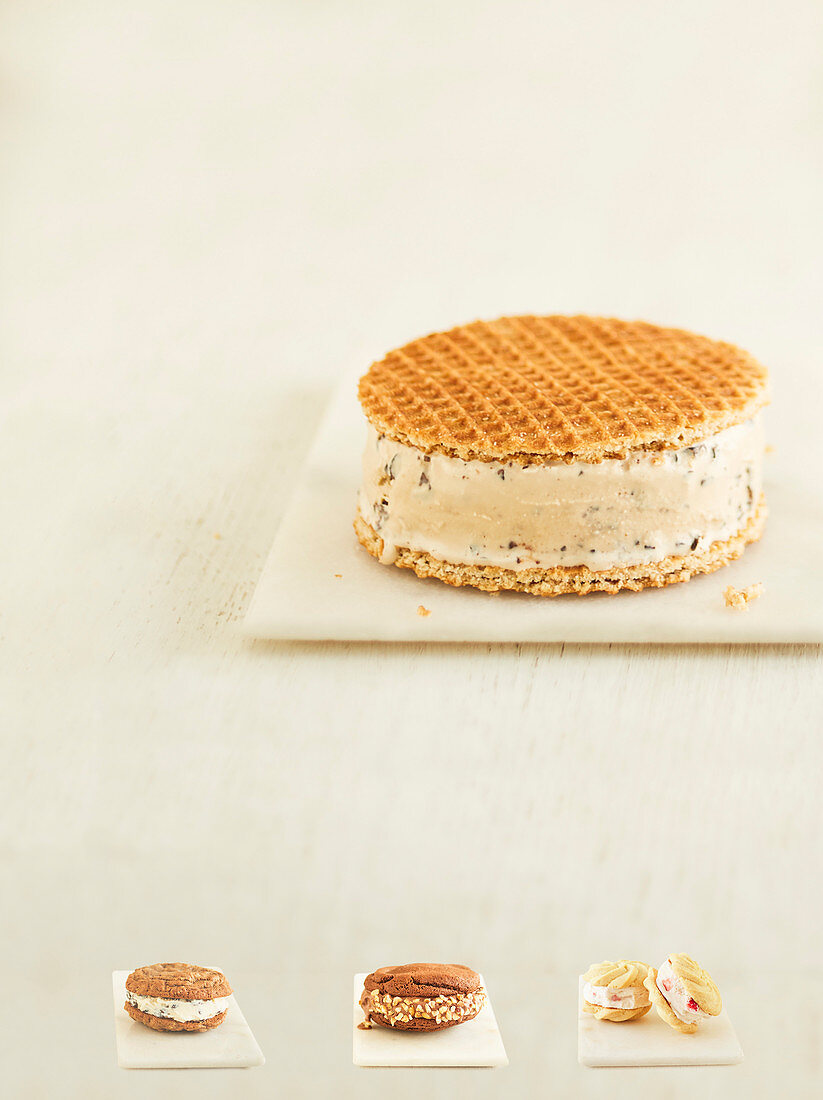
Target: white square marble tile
(476, 1043)
(651, 1042)
(319, 584)
(229, 1046)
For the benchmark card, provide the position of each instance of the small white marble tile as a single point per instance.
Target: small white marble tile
(476, 1043)
(319, 584)
(229, 1046)
(651, 1042)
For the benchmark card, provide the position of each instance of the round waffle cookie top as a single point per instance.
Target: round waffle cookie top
(560, 387)
(424, 980)
(178, 982)
(698, 982)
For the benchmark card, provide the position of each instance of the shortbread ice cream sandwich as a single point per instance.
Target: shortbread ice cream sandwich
(562, 454)
(683, 993)
(177, 997)
(615, 990)
(421, 996)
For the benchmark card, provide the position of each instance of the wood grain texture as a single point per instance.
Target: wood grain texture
(200, 239)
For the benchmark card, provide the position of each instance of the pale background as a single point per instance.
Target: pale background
(211, 209)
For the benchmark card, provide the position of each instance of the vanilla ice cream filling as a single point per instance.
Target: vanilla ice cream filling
(182, 1011)
(605, 996)
(680, 1000)
(640, 509)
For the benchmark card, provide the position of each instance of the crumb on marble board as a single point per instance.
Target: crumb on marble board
(423, 611)
(740, 598)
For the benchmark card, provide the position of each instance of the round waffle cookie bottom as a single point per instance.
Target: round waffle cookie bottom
(576, 580)
(161, 1023)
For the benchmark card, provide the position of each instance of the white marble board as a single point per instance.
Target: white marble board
(475, 1043)
(651, 1042)
(319, 584)
(229, 1046)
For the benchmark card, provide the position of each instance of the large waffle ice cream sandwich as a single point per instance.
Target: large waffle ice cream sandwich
(562, 454)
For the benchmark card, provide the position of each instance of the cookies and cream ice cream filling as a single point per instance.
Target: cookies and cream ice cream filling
(607, 996)
(681, 1002)
(181, 1011)
(544, 513)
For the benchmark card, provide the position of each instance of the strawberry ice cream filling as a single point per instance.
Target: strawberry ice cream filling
(606, 996)
(680, 1001)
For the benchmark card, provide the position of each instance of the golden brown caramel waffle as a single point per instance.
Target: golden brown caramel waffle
(620, 975)
(577, 580)
(579, 388)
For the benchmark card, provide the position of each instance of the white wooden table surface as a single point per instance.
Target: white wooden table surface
(209, 211)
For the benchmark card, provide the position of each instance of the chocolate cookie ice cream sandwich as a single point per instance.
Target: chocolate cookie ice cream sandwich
(421, 996)
(177, 997)
(562, 454)
(683, 993)
(615, 990)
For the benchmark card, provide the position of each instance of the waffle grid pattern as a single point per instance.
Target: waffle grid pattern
(560, 387)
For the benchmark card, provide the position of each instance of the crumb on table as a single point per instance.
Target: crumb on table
(338, 574)
(740, 598)
(423, 611)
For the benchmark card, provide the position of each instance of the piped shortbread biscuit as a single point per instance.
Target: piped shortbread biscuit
(615, 990)
(562, 454)
(683, 993)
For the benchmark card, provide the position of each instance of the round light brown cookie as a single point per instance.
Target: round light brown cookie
(160, 1023)
(575, 580)
(178, 981)
(559, 387)
(421, 996)
(622, 976)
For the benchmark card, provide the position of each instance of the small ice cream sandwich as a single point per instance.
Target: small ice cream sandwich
(683, 993)
(562, 454)
(616, 991)
(177, 997)
(421, 996)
